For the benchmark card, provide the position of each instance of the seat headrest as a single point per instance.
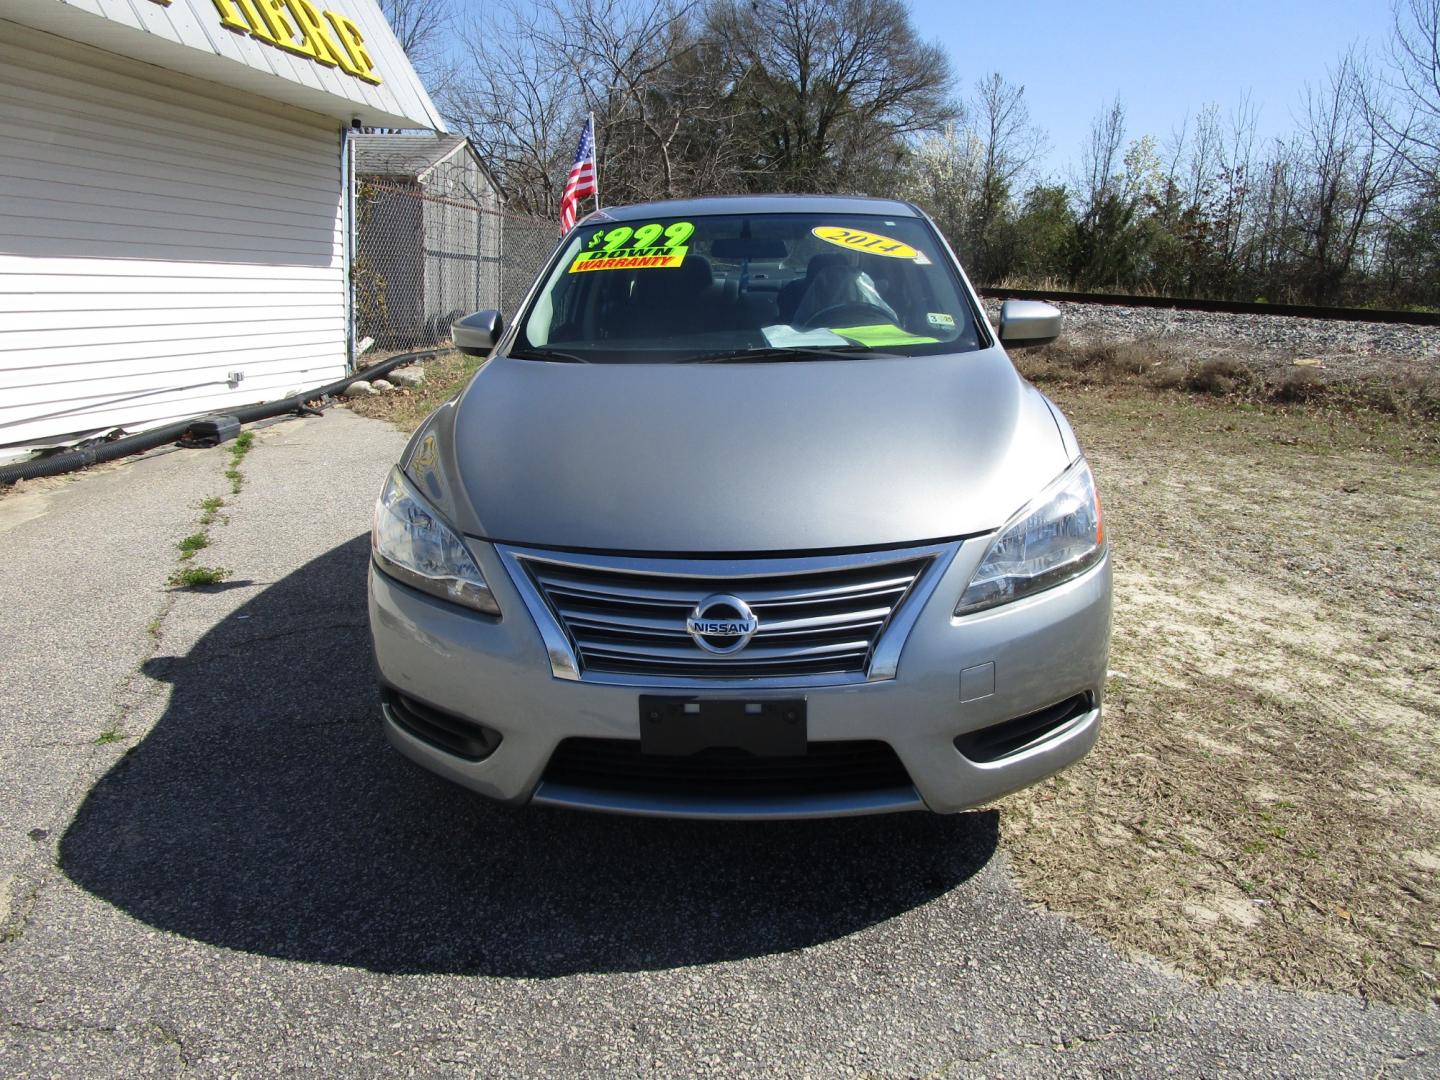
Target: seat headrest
(818, 263)
(695, 273)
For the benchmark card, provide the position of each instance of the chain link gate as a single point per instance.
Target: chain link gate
(421, 261)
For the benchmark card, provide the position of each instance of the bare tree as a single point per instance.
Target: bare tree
(1345, 173)
(1010, 144)
(1231, 198)
(1113, 185)
(421, 27)
(829, 89)
(653, 83)
(1101, 158)
(523, 116)
(1402, 106)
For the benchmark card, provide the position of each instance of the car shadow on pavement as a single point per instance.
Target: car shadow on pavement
(266, 813)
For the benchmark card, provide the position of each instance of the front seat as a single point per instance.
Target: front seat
(668, 302)
(792, 293)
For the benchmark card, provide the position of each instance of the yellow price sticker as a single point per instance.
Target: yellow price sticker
(629, 259)
(868, 242)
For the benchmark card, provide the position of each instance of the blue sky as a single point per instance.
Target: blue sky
(1162, 58)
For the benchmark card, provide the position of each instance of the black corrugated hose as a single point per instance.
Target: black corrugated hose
(70, 460)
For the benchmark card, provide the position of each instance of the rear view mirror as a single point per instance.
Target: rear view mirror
(737, 248)
(476, 335)
(1028, 322)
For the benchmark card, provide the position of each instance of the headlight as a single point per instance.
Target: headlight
(1056, 537)
(412, 545)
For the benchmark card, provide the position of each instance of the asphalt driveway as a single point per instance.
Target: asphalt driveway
(211, 863)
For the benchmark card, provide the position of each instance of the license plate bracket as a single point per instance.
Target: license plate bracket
(679, 726)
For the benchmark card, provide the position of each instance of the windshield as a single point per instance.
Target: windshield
(774, 286)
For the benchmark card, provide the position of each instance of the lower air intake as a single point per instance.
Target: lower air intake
(450, 733)
(1011, 737)
(827, 768)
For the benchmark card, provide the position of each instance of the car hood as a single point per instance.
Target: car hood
(734, 458)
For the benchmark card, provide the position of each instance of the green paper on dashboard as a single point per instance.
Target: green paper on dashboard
(883, 334)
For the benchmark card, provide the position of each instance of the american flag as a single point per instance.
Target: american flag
(581, 181)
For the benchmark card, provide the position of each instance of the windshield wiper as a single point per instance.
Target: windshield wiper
(781, 352)
(546, 354)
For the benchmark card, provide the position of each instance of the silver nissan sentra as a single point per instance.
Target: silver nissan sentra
(748, 514)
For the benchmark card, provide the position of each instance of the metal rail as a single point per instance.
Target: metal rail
(1226, 307)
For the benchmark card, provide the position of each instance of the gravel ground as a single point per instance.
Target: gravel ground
(1345, 349)
(246, 882)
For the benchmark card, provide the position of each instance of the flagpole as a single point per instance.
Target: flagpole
(595, 150)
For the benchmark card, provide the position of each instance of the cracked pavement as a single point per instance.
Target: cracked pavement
(248, 882)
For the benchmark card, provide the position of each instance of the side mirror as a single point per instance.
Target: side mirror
(1028, 322)
(476, 335)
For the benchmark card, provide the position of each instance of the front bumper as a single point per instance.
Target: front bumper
(1015, 659)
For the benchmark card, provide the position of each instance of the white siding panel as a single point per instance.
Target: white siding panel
(199, 348)
(156, 236)
(89, 391)
(120, 333)
(86, 239)
(237, 353)
(157, 369)
(53, 292)
(146, 318)
(31, 310)
(136, 412)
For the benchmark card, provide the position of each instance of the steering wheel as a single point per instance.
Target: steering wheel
(850, 313)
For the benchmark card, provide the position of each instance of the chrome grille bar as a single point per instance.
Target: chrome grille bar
(822, 619)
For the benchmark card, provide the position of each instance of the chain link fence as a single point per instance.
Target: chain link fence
(423, 260)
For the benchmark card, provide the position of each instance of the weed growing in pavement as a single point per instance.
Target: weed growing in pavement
(188, 577)
(243, 442)
(109, 735)
(193, 543)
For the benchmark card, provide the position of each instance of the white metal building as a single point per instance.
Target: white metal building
(174, 193)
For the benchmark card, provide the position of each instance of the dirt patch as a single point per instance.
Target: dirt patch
(445, 374)
(1265, 798)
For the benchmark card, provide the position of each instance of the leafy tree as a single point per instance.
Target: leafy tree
(942, 175)
(1043, 229)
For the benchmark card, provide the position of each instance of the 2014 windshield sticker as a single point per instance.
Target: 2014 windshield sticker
(868, 242)
(649, 247)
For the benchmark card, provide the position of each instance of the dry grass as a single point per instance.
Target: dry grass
(1053, 284)
(1265, 799)
(1232, 375)
(445, 374)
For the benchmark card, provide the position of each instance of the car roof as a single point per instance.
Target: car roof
(756, 204)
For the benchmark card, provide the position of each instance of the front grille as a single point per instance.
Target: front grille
(828, 768)
(816, 618)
